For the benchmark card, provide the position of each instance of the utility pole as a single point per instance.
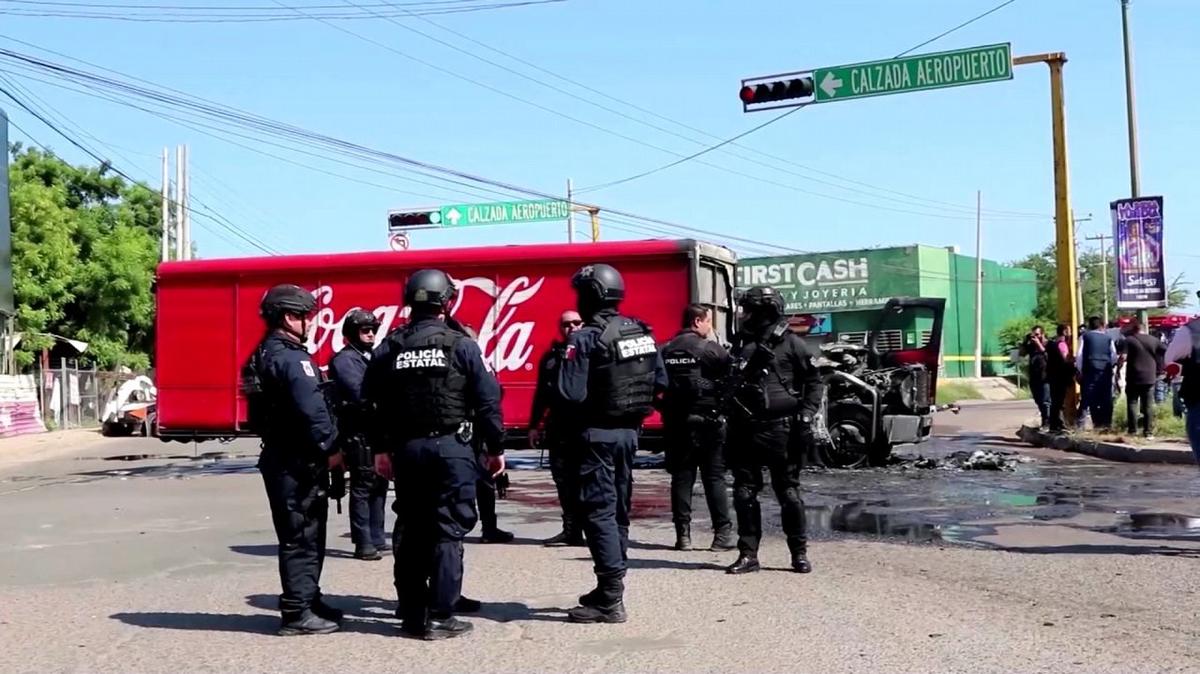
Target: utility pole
(179, 202)
(166, 205)
(570, 214)
(978, 284)
(1135, 179)
(595, 216)
(1102, 238)
(185, 190)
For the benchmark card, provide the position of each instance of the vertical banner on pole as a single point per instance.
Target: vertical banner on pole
(1138, 249)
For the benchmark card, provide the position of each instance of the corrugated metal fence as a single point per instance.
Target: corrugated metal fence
(20, 411)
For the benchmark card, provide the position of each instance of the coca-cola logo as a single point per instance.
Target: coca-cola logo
(505, 341)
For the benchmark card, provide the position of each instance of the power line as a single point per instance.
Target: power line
(137, 13)
(793, 110)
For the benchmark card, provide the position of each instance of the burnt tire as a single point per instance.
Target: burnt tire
(849, 444)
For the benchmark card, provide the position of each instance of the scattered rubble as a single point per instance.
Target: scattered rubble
(976, 460)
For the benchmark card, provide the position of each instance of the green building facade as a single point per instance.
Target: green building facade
(839, 294)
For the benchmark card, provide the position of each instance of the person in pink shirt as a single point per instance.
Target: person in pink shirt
(1060, 373)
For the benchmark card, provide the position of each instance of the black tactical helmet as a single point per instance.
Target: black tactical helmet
(599, 282)
(286, 298)
(357, 320)
(758, 299)
(429, 289)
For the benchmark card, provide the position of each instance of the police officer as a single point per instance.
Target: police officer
(368, 489)
(288, 409)
(776, 392)
(486, 486)
(554, 424)
(694, 427)
(428, 382)
(613, 368)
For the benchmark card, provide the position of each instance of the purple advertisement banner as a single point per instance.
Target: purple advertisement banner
(1138, 247)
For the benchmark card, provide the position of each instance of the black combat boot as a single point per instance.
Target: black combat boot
(496, 536)
(683, 537)
(800, 563)
(326, 611)
(437, 629)
(305, 622)
(724, 540)
(612, 613)
(593, 598)
(367, 553)
(746, 563)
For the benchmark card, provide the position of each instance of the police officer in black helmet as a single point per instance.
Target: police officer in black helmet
(288, 410)
(428, 383)
(368, 489)
(776, 392)
(612, 367)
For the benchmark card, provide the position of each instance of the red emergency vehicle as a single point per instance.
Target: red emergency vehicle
(208, 322)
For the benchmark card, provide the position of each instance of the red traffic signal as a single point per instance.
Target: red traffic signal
(780, 90)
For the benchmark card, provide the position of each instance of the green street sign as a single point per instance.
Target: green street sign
(974, 65)
(504, 213)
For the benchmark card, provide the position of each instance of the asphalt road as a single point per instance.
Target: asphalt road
(1064, 563)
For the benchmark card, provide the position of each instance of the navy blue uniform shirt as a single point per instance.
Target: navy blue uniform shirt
(306, 415)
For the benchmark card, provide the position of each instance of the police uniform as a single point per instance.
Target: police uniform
(427, 382)
(368, 490)
(561, 439)
(777, 393)
(289, 411)
(695, 433)
(613, 369)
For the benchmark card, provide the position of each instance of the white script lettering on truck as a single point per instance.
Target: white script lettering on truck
(505, 342)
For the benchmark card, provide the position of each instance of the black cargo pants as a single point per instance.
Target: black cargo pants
(605, 494)
(755, 446)
(299, 512)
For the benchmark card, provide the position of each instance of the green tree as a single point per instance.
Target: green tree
(84, 254)
(1092, 264)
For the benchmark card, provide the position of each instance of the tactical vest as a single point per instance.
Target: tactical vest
(1189, 389)
(269, 410)
(1096, 349)
(424, 384)
(621, 375)
(765, 388)
(689, 390)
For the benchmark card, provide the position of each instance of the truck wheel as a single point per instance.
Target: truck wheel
(849, 433)
(150, 426)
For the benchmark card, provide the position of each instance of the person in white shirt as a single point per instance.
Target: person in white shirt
(1183, 356)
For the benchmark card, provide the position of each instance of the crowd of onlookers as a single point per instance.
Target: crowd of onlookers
(1110, 360)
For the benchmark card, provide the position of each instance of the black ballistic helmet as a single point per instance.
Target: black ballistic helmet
(760, 300)
(357, 320)
(429, 289)
(599, 282)
(286, 298)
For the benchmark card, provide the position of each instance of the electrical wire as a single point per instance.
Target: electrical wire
(786, 114)
(238, 15)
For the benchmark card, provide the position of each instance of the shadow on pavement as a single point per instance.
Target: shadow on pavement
(504, 612)
(202, 622)
(271, 550)
(1161, 550)
(672, 564)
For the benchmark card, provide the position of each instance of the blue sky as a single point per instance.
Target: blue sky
(682, 60)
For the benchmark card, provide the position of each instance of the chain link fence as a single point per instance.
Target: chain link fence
(70, 396)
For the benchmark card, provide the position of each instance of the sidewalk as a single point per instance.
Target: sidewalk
(1160, 451)
(22, 449)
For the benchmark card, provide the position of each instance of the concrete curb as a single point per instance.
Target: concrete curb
(1111, 451)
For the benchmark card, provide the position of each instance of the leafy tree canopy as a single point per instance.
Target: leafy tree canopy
(85, 246)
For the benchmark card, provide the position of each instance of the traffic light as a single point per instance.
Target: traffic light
(758, 93)
(412, 219)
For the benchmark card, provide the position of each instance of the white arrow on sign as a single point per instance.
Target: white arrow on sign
(830, 84)
(453, 216)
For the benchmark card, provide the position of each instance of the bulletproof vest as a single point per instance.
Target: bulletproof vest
(1056, 363)
(766, 385)
(1096, 352)
(254, 385)
(621, 375)
(269, 409)
(690, 388)
(1189, 389)
(424, 383)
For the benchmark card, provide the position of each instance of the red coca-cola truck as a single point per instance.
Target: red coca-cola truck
(208, 320)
